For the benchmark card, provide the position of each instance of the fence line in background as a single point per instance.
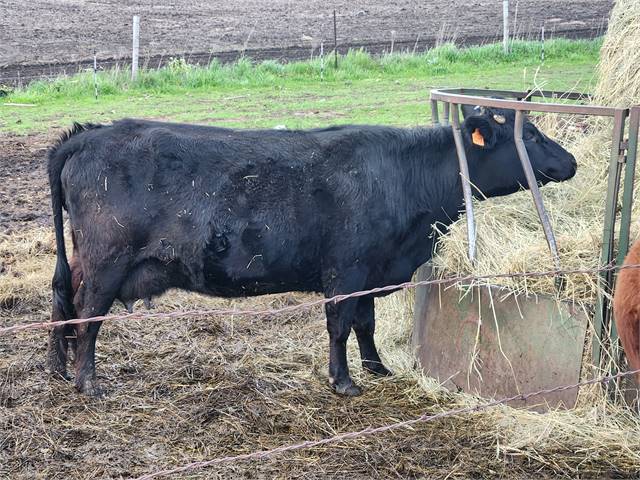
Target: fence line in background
(385, 428)
(135, 47)
(18, 76)
(307, 305)
(505, 26)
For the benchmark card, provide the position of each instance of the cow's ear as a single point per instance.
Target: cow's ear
(471, 110)
(480, 132)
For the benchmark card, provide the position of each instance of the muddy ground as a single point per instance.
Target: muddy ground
(24, 195)
(42, 37)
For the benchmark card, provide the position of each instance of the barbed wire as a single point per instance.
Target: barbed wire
(385, 428)
(310, 304)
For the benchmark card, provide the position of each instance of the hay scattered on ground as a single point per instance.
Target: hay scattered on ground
(194, 389)
(23, 280)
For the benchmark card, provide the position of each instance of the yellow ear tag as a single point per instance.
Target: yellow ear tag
(477, 137)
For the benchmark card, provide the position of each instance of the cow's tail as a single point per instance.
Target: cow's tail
(62, 308)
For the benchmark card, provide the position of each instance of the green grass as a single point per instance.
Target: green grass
(391, 89)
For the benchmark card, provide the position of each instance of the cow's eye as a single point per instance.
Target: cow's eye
(530, 135)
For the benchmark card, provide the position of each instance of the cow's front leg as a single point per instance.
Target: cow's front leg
(339, 321)
(364, 325)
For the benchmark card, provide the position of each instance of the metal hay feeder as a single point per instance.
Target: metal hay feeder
(449, 324)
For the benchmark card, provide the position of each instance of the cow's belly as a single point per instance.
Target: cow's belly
(248, 275)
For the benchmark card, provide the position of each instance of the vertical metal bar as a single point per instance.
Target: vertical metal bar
(434, 113)
(629, 177)
(95, 74)
(465, 180)
(446, 113)
(322, 61)
(627, 196)
(533, 186)
(602, 317)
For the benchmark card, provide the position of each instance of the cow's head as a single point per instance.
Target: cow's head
(494, 165)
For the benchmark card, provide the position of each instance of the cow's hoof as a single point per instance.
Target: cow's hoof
(348, 389)
(376, 368)
(128, 305)
(57, 368)
(90, 388)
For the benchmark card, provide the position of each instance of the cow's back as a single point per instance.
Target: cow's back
(237, 211)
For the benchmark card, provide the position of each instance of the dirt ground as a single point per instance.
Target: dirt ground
(43, 37)
(24, 195)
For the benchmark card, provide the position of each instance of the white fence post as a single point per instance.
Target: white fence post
(505, 26)
(136, 47)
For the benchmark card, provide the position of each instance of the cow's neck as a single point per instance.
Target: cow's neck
(433, 177)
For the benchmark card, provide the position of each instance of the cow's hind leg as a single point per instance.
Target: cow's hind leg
(94, 299)
(62, 338)
(364, 325)
(340, 318)
(57, 352)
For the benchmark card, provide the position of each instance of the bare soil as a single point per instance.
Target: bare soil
(43, 37)
(24, 195)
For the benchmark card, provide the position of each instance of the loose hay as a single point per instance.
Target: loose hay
(23, 280)
(195, 389)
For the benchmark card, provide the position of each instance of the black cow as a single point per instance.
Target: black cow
(249, 212)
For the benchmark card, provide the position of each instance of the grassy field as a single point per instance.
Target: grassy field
(392, 89)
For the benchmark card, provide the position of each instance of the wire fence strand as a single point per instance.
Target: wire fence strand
(427, 417)
(310, 304)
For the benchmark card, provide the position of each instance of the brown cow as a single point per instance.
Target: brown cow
(626, 308)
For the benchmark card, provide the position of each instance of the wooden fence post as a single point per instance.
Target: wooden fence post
(335, 39)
